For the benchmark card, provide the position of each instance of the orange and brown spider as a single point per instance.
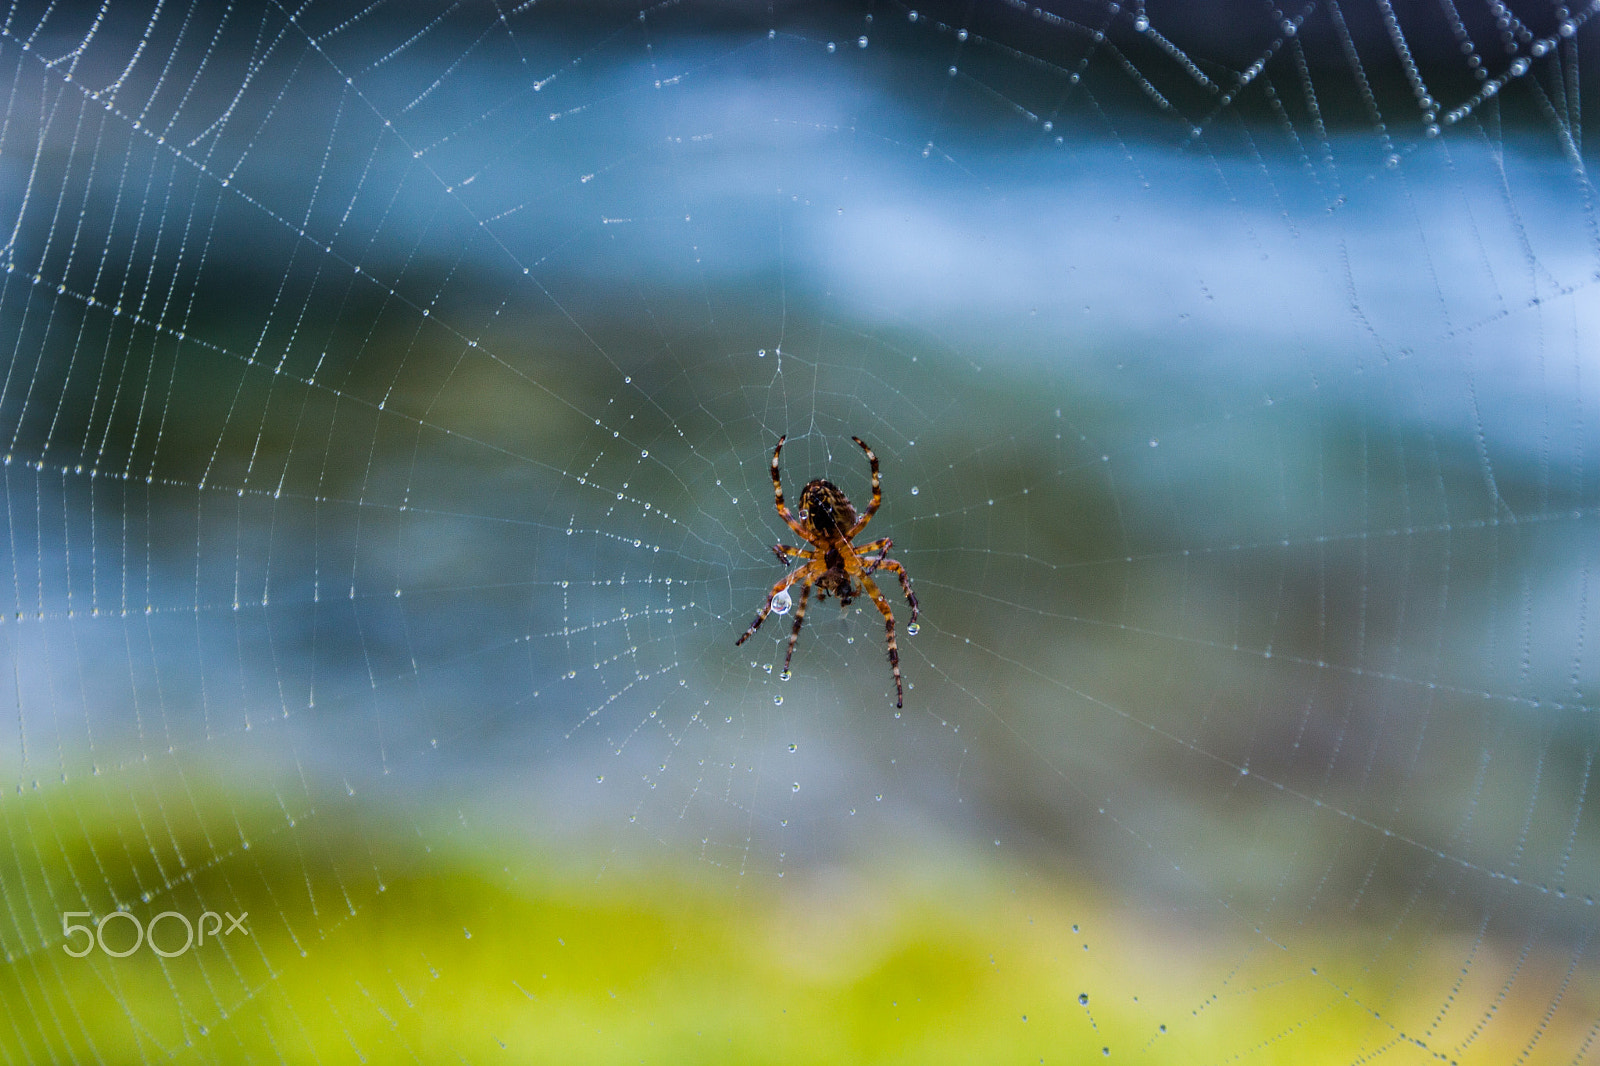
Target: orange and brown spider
(828, 522)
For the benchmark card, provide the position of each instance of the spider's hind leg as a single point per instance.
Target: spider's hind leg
(877, 492)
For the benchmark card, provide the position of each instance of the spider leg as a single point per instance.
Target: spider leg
(777, 494)
(888, 622)
(880, 547)
(785, 553)
(766, 608)
(877, 491)
(905, 582)
(794, 634)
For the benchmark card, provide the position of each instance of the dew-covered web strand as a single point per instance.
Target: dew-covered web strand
(250, 359)
(1503, 520)
(196, 609)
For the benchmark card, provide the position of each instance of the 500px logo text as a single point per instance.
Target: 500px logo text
(194, 933)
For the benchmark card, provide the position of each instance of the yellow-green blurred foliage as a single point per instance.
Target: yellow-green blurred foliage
(376, 938)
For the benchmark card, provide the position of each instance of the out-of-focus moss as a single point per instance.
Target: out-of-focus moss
(374, 939)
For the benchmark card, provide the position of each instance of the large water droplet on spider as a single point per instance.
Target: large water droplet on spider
(782, 602)
(913, 629)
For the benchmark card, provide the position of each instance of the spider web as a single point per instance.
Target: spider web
(388, 398)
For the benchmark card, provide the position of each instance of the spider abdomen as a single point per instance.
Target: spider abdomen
(826, 510)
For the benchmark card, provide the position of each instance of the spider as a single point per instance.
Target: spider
(834, 565)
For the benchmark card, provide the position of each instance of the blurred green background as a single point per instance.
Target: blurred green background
(388, 402)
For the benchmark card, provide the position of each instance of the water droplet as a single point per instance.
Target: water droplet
(831, 46)
(1154, 443)
(782, 602)
(861, 42)
(795, 787)
(794, 747)
(1141, 24)
(1568, 28)
(1083, 999)
(915, 490)
(1519, 68)
(777, 699)
(786, 675)
(913, 629)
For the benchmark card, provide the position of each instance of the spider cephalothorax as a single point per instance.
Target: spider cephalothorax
(834, 566)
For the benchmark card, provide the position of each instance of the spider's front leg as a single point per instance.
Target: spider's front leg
(766, 608)
(888, 623)
(905, 584)
(881, 548)
(794, 634)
